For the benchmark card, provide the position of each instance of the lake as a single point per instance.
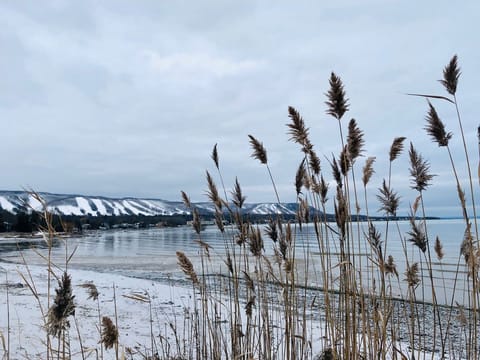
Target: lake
(150, 253)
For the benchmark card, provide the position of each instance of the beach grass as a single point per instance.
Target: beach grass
(343, 298)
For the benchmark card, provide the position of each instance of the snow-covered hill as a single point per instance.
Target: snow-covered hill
(80, 205)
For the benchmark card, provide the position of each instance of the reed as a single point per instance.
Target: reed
(312, 287)
(366, 304)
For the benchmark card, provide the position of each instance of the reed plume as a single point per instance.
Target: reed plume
(109, 335)
(63, 306)
(323, 190)
(259, 151)
(355, 140)
(368, 170)
(238, 198)
(299, 177)
(419, 170)
(255, 242)
(417, 235)
(451, 74)
(271, 230)
(187, 267)
(396, 148)
(336, 172)
(314, 162)
(435, 127)
(439, 249)
(91, 290)
(390, 267)
(196, 222)
(215, 156)
(337, 104)
(297, 130)
(341, 212)
(345, 161)
(374, 238)
(186, 200)
(212, 192)
(389, 199)
(412, 275)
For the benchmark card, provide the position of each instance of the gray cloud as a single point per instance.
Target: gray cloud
(125, 98)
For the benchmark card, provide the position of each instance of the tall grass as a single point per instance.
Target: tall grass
(360, 306)
(342, 298)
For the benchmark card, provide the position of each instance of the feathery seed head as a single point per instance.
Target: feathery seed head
(259, 151)
(256, 242)
(187, 267)
(336, 172)
(390, 267)
(417, 235)
(355, 141)
(368, 170)
(109, 335)
(212, 192)
(439, 248)
(186, 200)
(91, 289)
(337, 102)
(396, 148)
(419, 170)
(344, 160)
(63, 306)
(238, 198)
(299, 177)
(323, 190)
(215, 156)
(412, 277)
(389, 199)
(314, 161)
(451, 74)
(297, 129)
(271, 230)
(435, 127)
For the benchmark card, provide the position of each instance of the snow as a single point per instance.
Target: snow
(84, 205)
(6, 205)
(68, 210)
(27, 334)
(128, 205)
(102, 210)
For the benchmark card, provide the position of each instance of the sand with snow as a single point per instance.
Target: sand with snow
(27, 334)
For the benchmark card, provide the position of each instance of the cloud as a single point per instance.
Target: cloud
(196, 64)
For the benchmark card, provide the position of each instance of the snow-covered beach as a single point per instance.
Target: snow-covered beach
(22, 325)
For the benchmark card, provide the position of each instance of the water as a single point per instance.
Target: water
(150, 253)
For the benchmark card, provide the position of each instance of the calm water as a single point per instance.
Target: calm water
(150, 253)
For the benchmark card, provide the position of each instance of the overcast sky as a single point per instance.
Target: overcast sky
(127, 98)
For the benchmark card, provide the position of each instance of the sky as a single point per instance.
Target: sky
(127, 98)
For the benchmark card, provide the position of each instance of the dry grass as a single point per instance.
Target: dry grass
(345, 298)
